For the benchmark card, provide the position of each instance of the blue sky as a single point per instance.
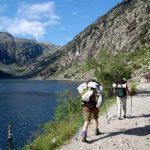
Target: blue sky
(55, 21)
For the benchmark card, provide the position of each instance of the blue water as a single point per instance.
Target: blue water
(27, 104)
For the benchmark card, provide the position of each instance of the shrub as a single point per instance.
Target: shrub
(109, 67)
(133, 88)
(62, 127)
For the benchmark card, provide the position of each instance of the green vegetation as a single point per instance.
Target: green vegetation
(109, 67)
(133, 88)
(64, 125)
(139, 58)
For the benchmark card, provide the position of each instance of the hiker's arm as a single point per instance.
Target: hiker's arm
(127, 89)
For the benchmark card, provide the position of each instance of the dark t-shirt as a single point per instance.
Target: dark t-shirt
(92, 102)
(120, 91)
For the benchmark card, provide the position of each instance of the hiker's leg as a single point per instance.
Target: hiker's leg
(96, 130)
(96, 123)
(124, 101)
(84, 132)
(87, 117)
(119, 107)
(85, 125)
(96, 116)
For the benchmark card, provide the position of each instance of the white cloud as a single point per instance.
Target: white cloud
(75, 13)
(34, 28)
(38, 11)
(31, 20)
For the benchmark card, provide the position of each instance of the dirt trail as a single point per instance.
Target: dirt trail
(132, 133)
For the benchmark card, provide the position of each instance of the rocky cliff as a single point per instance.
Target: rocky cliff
(126, 27)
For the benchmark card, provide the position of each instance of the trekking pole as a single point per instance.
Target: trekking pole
(105, 111)
(131, 106)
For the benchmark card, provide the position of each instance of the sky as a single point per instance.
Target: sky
(55, 21)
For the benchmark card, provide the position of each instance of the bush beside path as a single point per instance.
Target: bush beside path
(132, 133)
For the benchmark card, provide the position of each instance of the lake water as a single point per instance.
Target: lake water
(27, 104)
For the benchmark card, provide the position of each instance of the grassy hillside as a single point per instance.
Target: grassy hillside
(109, 64)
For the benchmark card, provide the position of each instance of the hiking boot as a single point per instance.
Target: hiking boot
(97, 132)
(119, 118)
(84, 135)
(84, 139)
(124, 116)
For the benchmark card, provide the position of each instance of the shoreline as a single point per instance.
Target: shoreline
(40, 79)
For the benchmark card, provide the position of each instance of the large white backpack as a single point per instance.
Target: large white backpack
(86, 90)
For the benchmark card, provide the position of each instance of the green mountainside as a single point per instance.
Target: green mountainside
(125, 28)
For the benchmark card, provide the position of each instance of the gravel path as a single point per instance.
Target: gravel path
(132, 133)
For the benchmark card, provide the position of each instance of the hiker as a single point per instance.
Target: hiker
(121, 91)
(91, 106)
(147, 76)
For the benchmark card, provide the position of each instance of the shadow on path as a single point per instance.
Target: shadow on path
(139, 131)
(144, 115)
(143, 93)
(131, 117)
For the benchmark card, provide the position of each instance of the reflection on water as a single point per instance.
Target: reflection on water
(27, 104)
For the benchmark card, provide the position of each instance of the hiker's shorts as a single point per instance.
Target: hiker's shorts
(87, 113)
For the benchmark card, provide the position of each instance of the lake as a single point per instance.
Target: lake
(27, 104)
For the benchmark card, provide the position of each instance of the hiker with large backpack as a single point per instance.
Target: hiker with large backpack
(121, 91)
(89, 91)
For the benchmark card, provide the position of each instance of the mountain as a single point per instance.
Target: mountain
(18, 56)
(15, 50)
(125, 27)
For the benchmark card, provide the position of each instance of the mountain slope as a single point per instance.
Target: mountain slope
(19, 56)
(15, 50)
(124, 28)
